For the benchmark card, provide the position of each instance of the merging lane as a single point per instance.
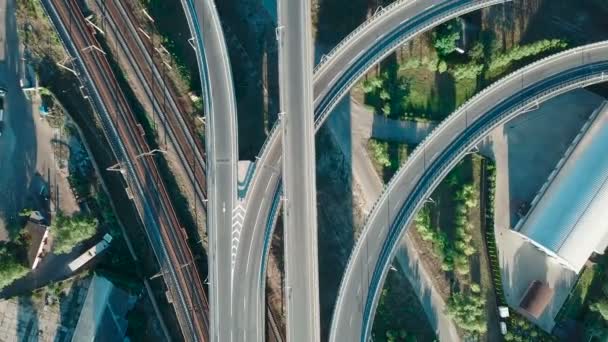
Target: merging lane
(222, 158)
(432, 160)
(350, 60)
(300, 212)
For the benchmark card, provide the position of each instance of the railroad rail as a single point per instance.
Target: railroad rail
(145, 184)
(163, 98)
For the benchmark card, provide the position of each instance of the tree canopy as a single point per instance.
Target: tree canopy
(446, 36)
(70, 231)
(468, 312)
(10, 268)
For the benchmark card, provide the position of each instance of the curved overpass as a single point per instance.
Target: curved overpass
(350, 60)
(222, 158)
(433, 159)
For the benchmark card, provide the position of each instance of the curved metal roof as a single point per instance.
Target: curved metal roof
(570, 218)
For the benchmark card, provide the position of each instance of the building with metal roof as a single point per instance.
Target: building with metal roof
(568, 219)
(103, 313)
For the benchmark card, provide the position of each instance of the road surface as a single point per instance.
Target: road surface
(300, 212)
(432, 160)
(381, 35)
(222, 159)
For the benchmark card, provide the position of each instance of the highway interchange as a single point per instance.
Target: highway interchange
(237, 270)
(222, 158)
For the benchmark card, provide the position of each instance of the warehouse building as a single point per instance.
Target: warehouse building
(568, 219)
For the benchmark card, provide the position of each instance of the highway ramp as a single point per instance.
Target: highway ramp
(222, 159)
(349, 61)
(517, 93)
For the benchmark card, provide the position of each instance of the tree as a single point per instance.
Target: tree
(446, 36)
(70, 231)
(380, 152)
(10, 268)
(467, 71)
(468, 312)
(476, 53)
(442, 67)
(601, 307)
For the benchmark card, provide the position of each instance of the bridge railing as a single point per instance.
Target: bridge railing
(420, 149)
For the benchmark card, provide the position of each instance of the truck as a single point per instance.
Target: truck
(2, 93)
(90, 253)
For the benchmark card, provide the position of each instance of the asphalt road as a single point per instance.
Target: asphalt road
(432, 160)
(300, 211)
(382, 35)
(18, 145)
(222, 159)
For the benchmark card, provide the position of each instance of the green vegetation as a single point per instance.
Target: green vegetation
(519, 328)
(386, 156)
(445, 37)
(455, 254)
(400, 315)
(490, 170)
(38, 35)
(433, 84)
(501, 61)
(10, 267)
(573, 305)
(387, 92)
(468, 311)
(70, 231)
(379, 150)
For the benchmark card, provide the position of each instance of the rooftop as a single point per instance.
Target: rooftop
(568, 219)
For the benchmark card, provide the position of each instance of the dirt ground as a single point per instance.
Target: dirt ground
(30, 163)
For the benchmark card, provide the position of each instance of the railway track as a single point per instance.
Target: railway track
(137, 47)
(185, 288)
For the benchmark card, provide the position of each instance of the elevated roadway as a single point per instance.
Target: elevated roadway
(222, 159)
(144, 184)
(520, 92)
(379, 36)
(300, 211)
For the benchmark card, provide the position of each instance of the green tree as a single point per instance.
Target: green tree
(476, 53)
(467, 71)
(601, 307)
(380, 152)
(446, 36)
(70, 231)
(10, 268)
(468, 312)
(442, 67)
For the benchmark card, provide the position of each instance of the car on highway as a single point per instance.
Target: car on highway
(2, 94)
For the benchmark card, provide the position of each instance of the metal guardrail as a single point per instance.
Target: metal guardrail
(420, 149)
(380, 12)
(322, 113)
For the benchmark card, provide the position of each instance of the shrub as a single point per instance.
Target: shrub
(446, 36)
(519, 52)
